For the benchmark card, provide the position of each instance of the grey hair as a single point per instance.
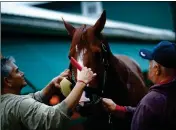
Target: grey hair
(154, 63)
(165, 71)
(5, 67)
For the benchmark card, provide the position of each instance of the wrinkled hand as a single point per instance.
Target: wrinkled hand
(56, 81)
(86, 75)
(109, 105)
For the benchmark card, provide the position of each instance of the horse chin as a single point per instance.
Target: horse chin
(84, 105)
(87, 105)
(85, 108)
(88, 108)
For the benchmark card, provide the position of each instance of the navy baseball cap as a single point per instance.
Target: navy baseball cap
(163, 53)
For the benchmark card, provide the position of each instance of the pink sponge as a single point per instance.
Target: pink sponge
(75, 63)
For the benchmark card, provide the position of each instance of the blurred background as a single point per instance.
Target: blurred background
(34, 34)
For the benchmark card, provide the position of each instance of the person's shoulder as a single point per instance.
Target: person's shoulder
(153, 97)
(154, 100)
(13, 98)
(10, 102)
(6, 97)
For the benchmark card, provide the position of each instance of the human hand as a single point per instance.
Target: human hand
(56, 81)
(109, 105)
(86, 75)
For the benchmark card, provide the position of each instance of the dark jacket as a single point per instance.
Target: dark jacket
(157, 110)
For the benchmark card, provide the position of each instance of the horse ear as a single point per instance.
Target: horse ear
(99, 25)
(69, 27)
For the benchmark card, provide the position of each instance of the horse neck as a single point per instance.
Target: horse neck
(118, 68)
(115, 87)
(115, 64)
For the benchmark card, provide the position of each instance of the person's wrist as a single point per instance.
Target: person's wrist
(113, 109)
(82, 81)
(81, 84)
(120, 108)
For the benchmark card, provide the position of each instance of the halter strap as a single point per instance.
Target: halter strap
(106, 65)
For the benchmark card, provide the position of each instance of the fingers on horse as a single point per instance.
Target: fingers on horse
(105, 100)
(85, 67)
(67, 77)
(106, 107)
(94, 74)
(57, 85)
(67, 70)
(66, 74)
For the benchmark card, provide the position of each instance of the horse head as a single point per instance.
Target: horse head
(90, 49)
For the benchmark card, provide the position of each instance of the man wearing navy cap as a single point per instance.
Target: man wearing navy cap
(157, 109)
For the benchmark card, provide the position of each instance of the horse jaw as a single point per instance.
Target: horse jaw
(80, 61)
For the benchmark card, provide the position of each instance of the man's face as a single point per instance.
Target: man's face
(16, 77)
(152, 74)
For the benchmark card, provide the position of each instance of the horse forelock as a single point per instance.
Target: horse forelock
(76, 41)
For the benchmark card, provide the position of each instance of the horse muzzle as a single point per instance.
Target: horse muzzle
(88, 104)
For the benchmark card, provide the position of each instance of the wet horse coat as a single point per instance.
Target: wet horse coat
(118, 77)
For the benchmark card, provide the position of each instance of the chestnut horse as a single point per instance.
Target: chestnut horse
(118, 77)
